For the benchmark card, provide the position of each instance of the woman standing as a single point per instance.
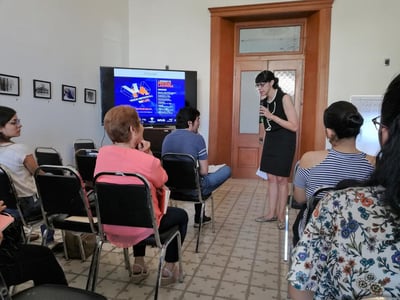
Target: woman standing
(280, 123)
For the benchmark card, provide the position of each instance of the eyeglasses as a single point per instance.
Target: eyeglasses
(15, 122)
(377, 122)
(260, 85)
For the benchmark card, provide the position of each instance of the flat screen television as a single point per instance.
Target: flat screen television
(157, 95)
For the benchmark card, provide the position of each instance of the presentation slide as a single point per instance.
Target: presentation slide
(157, 96)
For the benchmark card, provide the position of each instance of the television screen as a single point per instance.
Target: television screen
(157, 95)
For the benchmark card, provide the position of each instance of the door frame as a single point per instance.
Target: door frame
(317, 14)
(246, 147)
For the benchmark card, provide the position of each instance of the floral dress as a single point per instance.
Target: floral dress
(348, 249)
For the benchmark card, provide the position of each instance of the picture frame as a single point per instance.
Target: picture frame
(90, 96)
(41, 89)
(68, 93)
(9, 85)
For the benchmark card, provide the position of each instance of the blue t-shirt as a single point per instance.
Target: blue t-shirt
(185, 141)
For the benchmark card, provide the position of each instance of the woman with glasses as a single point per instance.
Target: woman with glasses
(325, 168)
(350, 249)
(280, 122)
(21, 164)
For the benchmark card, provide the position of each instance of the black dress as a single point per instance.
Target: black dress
(279, 143)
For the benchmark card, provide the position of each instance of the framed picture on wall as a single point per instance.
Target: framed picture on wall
(9, 85)
(68, 93)
(41, 89)
(90, 96)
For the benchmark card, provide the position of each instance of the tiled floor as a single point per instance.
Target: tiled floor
(243, 259)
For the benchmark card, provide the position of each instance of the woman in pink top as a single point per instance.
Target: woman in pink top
(130, 153)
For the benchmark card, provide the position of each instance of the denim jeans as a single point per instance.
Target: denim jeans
(30, 208)
(212, 181)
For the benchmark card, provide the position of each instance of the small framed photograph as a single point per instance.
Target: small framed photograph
(68, 93)
(41, 89)
(90, 96)
(9, 85)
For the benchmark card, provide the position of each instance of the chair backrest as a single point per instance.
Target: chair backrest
(86, 162)
(124, 199)
(182, 171)
(48, 156)
(7, 190)
(84, 144)
(61, 194)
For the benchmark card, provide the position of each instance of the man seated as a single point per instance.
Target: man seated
(186, 139)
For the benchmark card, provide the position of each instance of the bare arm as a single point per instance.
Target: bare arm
(299, 195)
(30, 163)
(296, 294)
(203, 167)
(292, 122)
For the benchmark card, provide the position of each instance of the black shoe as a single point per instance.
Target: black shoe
(206, 220)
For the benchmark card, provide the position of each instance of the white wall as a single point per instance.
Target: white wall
(177, 33)
(63, 42)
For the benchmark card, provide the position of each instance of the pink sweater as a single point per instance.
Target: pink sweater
(119, 159)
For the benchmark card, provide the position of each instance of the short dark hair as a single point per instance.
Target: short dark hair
(344, 118)
(185, 115)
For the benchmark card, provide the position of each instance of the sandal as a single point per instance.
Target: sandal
(139, 276)
(264, 219)
(281, 225)
(169, 277)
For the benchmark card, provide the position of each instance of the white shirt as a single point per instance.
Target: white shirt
(12, 156)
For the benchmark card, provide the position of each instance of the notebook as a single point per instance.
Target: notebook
(215, 168)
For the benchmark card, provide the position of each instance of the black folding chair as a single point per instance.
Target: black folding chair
(48, 156)
(84, 144)
(64, 202)
(85, 160)
(9, 195)
(48, 291)
(184, 183)
(129, 204)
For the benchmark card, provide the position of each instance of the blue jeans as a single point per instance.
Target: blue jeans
(30, 208)
(210, 183)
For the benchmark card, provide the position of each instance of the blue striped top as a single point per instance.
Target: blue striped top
(334, 168)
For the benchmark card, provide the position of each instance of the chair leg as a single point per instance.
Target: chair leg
(94, 266)
(127, 262)
(286, 239)
(200, 226)
(64, 243)
(212, 214)
(159, 270)
(81, 248)
(179, 240)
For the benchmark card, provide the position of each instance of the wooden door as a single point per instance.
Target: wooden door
(247, 135)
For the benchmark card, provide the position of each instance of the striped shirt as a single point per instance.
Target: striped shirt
(334, 168)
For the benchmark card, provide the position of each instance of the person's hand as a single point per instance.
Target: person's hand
(265, 112)
(144, 146)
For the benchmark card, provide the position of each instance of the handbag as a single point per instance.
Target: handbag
(5, 220)
(72, 244)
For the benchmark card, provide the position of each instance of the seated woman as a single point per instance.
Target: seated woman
(130, 153)
(20, 162)
(350, 249)
(323, 168)
(22, 262)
